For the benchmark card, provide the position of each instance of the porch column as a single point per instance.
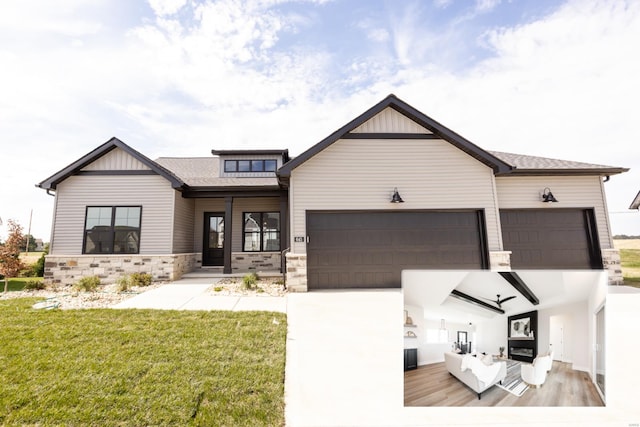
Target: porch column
(228, 214)
(284, 228)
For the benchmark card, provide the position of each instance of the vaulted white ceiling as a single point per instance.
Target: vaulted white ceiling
(431, 290)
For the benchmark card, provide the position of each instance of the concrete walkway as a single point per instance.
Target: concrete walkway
(192, 294)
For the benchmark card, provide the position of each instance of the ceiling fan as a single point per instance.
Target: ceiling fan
(499, 301)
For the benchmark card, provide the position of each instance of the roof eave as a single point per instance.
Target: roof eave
(636, 202)
(391, 101)
(51, 182)
(564, 172)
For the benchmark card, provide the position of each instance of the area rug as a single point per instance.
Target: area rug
(513, 381)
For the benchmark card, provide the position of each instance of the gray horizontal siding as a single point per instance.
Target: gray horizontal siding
(571, 191)
(74, 194)
(361, 175)
(183, 224)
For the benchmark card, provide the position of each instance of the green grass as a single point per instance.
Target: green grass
(140, 367)
(630, 262)
(17, 284)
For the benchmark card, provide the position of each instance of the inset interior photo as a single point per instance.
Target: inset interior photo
(513, 338)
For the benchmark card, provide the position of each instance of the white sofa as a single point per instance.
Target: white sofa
(492, 374)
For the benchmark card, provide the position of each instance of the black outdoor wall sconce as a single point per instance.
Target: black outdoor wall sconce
(547, 196)
(396, 196)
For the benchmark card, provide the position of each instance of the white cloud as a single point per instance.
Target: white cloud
(486, 5)
(166, 7)
(564, 86)
(442, 4)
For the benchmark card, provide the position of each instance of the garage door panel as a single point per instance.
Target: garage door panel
(379, 245)
(551, 238)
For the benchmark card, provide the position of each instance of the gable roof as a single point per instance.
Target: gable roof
(391, 101)
(501, 163)
(636, 202)
(76, 167)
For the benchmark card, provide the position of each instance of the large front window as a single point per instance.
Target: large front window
(112, 230)
(261, 231)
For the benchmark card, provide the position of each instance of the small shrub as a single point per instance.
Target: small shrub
(34, 285)
(38, 267)
(124, 284)
(250, 280)
(218, 288)
(87, 284)
(140, 279)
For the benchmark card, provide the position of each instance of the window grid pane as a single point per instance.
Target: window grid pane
(244, 166)
(230, 166)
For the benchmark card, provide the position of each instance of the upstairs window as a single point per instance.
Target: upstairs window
(261, 232)
(250, 165)
(112, 230)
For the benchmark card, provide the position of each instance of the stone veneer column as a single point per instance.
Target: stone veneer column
(296, 272)
(611, 264)
(500, 260)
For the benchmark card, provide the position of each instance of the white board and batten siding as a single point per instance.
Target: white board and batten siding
(360, 174)
(114, 160)
(152, 192)
(390, 121)
(585, 192)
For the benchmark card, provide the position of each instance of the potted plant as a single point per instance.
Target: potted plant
(501, 351)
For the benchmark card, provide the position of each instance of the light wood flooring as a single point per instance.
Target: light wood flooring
(432, 385)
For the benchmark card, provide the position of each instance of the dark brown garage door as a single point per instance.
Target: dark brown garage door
(370, 249)
(551, 238)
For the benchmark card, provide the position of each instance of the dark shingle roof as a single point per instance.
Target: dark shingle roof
(205, 172)
(525, 164)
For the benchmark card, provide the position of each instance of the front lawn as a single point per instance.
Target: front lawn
(140, 367)
(630, 263)
(18, 284)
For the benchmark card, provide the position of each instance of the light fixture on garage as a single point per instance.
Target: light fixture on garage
(547, 196)
(396, 196)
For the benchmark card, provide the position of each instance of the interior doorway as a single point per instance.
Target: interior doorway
(600, 356)
(556, 337)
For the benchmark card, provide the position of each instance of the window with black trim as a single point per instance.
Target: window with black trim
(261, 232)
(112, 230)
(266, 165)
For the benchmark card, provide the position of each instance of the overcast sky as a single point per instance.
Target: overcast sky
(181, 77)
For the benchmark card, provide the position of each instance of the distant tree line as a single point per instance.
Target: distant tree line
(625, 237)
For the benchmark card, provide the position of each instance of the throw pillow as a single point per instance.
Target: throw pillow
(487, 360)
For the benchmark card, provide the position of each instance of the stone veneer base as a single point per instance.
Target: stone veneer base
(68, 269)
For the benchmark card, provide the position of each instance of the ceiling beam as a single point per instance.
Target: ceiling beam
(471, 300)
(515, 281)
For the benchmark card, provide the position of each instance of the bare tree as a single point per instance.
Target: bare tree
(10, 262)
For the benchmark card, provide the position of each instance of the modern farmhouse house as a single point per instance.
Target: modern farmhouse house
(391, 190)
